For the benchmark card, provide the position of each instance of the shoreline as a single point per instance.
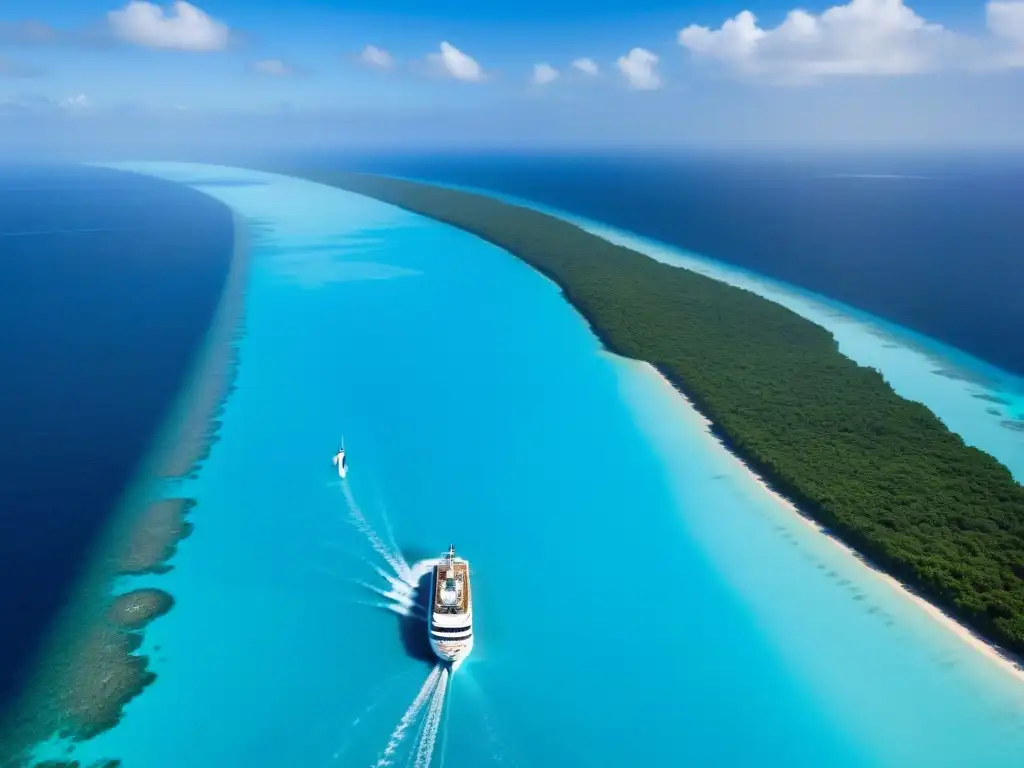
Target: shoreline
(1004, 660)
(605, 287)
(989, 376)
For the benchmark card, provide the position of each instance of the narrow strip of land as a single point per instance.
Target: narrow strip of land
(881, 473)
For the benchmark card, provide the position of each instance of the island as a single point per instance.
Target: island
(881, 473)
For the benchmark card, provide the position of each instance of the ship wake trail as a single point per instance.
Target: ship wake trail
(432, 722)
(388, 529)
(395, 608)
(401, 599)
(445, 716)
(398, 735)
(358, 519)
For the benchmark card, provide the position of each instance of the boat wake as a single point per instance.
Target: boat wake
(398, 599)
(401, 592)
(428, 707)
(432, 722)
(403, 587)
(399, 589)
(391, 555)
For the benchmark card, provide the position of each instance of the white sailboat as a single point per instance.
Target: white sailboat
(340, 461)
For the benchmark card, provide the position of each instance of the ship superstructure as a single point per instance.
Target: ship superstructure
(450, 623)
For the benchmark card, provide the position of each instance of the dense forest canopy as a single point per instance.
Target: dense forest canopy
(880, 472)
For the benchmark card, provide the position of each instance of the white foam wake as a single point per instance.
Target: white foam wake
(388, 530)
(432, 722)
(447, 713)
(400, 596)
(358, 519)
(398, 735)
(392, 608)
(404, 588)
(420, 569)
(398, 601)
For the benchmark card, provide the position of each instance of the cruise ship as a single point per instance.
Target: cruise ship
(451, 609)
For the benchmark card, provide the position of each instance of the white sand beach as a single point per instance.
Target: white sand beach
(688, 412)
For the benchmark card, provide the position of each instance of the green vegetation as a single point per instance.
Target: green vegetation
(881, 473)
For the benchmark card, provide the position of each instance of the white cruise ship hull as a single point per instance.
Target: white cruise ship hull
(452, 652)
(450, 617)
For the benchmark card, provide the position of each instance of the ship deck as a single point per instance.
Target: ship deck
(440, 570)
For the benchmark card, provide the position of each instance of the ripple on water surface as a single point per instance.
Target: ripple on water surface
(639, 600)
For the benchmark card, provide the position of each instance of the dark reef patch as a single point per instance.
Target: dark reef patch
(103, 309)
(154, 537)
(958, 374)
(102, 675)
(135, 609)
(86, 682)
(92, 667)
(198, 420)
(1017, 425)
(991, 398)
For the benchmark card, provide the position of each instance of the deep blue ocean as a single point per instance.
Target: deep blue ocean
(108, 282)
(934, 243)
(478, 407)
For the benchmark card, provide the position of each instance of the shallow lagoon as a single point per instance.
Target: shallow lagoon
(982, 403)
(639, 599)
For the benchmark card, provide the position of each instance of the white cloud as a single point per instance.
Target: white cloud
(77, 102)
(376, 57)
(185, 27)
(1006, 19)
(862, 37)
(1006, 23)
(272, 68)
(544, 74)
(586, 66)
(639, 67)
(452, 62)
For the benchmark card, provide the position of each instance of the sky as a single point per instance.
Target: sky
(108, 77)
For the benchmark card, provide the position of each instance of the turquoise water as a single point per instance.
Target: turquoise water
(982, 403)
(639, 599)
